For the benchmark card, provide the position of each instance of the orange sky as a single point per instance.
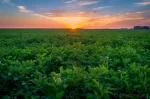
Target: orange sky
(74, 14)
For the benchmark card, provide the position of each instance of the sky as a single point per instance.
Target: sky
(74, 13)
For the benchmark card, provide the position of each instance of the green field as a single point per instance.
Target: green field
(81, 64)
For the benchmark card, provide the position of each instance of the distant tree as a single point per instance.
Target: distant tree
(137, 27)
(141, 27)
(145, 27)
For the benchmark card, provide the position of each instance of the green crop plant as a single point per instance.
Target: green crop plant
(91, 64)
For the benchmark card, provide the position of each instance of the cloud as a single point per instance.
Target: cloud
(139, 15)
(86, 3)
(89, 19)
(138, 12)
(38, 15)
(70, 19)
(70, 1)
(23, 9)
(8, 2)
(143, 3)
(99, 8)
(60, 13)
(48, 14)
(104, 21)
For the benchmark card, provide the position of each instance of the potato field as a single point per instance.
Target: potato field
(74, 64)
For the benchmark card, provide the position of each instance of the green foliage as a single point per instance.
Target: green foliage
(59, 64)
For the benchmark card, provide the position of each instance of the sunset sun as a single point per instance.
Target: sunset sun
(73, 27)
(72, 22)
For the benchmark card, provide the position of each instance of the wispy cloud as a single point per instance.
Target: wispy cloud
(138, 12)
(70, 19)
(8, 2)
(48, 14)
(99, 8)
(86, 3)
(24, 9)
(70, 1)
(106, 20)
(139, 15)
(143, 3)
(69, 14)
(91, 18)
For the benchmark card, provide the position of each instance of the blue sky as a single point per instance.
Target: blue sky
(74, 13)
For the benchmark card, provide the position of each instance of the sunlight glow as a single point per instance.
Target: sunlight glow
(72, 22)
(73, 28)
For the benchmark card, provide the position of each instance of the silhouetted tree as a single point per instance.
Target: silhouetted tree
(141, 27)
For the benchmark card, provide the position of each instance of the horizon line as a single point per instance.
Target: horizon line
(59, 28)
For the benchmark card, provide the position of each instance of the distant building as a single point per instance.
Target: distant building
(141, 27)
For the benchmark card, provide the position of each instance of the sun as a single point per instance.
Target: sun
(72, 22)
(73, 28)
